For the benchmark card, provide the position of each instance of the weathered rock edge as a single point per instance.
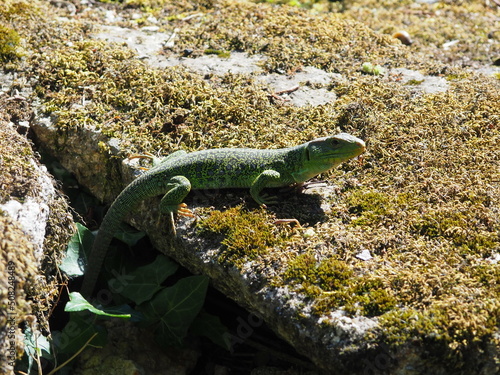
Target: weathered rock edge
(337, 347)
(34, 230)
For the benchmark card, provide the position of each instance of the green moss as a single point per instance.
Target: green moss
(369, 297)
(414, 82)
(370, 206)
(315, 277)
(224, 54)
(9, 44)
(333, 274)
(24, 8)
(446, 333)
(247, 234)
(468, 232)
(456, 76)
(332, 284)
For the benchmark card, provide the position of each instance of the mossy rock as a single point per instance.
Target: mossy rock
(35, 225)
(423, 201)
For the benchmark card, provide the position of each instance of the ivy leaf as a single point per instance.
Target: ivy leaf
(78, 303)
(146, 280)
(174, 309)
(36, 346)
(76, 333)
(210, 326)
(128, 234)
(81, 241)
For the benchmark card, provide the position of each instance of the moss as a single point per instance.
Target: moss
(224, 54)
(332, 284)
(447, 21)
(314, 278)
(152, 109)
(9, 44)
(414, 82)
(15, 8)
(369, 297)
(290, 38)
(424, 201)
(247, 234)
(371, 207)
(18, 273)
(465, 229)
(317, 5)
(451, 77)
(444, 332)
(17, 172)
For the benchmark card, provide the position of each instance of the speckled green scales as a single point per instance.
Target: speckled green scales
(177, 174)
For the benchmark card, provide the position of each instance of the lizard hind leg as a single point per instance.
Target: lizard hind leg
(173, 155)
(171, 203)
(156, 160)
(146, 155)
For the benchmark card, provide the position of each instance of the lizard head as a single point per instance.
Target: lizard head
(334, 149)
(322, 154)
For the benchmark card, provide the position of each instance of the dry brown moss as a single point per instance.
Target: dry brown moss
(426, 205)
(127, 99)
(470, 23)
(17, 272)
(290, 38)
(16, 168)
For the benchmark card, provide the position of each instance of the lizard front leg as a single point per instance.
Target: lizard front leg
(263, 180)
(178, 188)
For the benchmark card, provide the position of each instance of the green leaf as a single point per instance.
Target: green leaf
(175, 308)
(78, 303)
(81, 241)
(146, 280)
(36, 346)
(128, 234)
(35, 343)
(80, 328)
(210, 326)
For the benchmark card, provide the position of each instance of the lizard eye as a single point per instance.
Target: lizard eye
(335, 142)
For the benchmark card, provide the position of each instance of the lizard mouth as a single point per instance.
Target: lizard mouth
(345, 155)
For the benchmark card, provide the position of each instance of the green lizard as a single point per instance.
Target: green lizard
(178, 173)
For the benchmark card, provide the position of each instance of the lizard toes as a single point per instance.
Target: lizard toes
(182, 210)
(269, 199)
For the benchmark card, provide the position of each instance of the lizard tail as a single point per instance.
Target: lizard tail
(124, 203)
(104, 236)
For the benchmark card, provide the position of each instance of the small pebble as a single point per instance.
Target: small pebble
(404, 37)
(364, 255)
(309, 232)
(446, 46)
